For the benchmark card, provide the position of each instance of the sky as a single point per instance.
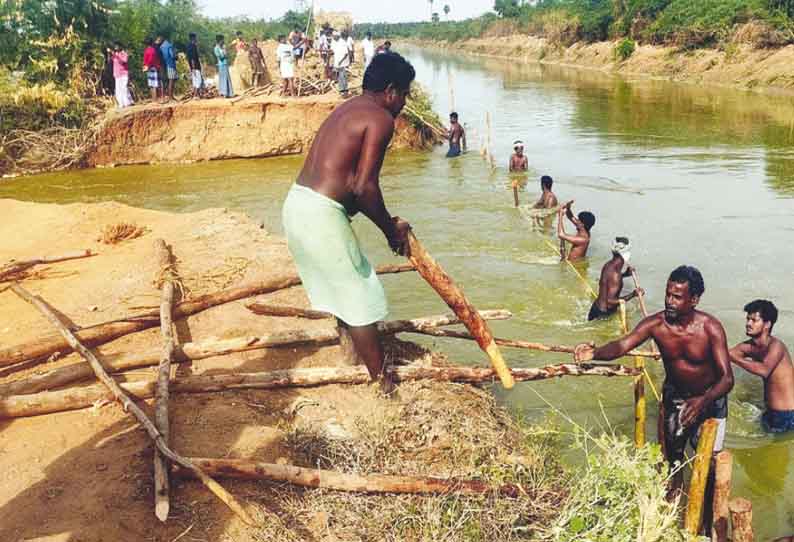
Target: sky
(362, 10)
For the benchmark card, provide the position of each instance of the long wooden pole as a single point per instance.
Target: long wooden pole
(526, 345)
(162, 503)
(453, 296)
(723, 473)
(83, 397)
(43, 347)
(15, 267)
(639, 387)
(515, 193)
(700, 476)
(115, 390)
(220, 347)
(277, 310)
(741, 519)
(247, 469)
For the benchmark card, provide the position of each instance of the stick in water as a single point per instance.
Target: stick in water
(442, 283)
(227, 498)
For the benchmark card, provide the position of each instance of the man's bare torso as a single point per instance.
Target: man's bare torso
(610, 284)
(518, 163)
(456, 133)
(779, 385)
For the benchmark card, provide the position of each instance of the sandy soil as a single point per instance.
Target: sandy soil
(87, 475)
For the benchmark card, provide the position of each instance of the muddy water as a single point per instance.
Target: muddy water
(692, 175)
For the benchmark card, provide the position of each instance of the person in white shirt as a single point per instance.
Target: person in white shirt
(369, 49)
(286, 65)
(341, 62)
(351, 46)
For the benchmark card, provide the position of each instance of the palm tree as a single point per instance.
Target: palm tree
(431, 7)
(446, 11)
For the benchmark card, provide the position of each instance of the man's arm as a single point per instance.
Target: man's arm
(575, 240)
(719, 351)
(644, 330)
(366, 187)
(774, 356)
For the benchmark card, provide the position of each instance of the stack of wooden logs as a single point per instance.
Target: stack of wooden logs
(49, 392)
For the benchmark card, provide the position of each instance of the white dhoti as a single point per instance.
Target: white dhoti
(123, 97)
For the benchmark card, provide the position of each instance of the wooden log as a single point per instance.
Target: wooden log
(247, 469)
(526, 345)
(276, 310)
(741, 519)
(453, 296)
(118, 394)
(700, 475)
(723, 473)
(83, 397)
(162, 503)
(44, 347)
(639, 387)
(208, 348)
(15, 267)
(515, 193)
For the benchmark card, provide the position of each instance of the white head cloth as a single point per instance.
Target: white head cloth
(624, 249)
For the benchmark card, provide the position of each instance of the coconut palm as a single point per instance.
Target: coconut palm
(446, 11)
(431, 7)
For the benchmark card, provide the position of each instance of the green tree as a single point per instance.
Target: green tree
(508, 8)
(446, 11)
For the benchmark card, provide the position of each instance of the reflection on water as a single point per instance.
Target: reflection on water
(692, 175)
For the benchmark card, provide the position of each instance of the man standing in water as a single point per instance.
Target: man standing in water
(518, 162)
(611, 282)
(698, 373)
(341, 177)
(456, 135)
(766, 356)
(547, 198)
(580, 242)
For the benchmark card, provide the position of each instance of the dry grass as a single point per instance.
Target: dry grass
(122, 231)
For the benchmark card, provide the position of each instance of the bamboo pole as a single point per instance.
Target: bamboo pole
(247, 469)
(263, 309)
(83, 397)
(434, 128)
(451, 85)
(639, 387)
(116, 392)
(741, 519)
(220, 347)
(723, 472)
(453, 296)
(162, 503)
(43, 347)
(15, 267)
(639, 362)
(700, 476)
(526, 345)
(515, 192)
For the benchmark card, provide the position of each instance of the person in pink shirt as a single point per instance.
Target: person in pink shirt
(151, 65)
(121, 74)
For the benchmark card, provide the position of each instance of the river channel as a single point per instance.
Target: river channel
(693, 175)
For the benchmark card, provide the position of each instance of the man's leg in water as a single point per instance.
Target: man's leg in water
(369, 348)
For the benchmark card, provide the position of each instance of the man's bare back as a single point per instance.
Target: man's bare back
(773, 363)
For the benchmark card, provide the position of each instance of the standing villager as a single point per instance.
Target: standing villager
(298, 43)
(169, 59)
(194, 61)
(547, 200)
(698, 374)
(456, 136)
(610, 285)
(518, 161)
(768, 357)
(257, 60)
(151, 65)
(369, 49)
(583, 222)
(239, 43)
(121, 75)
(324, 46)
(351, 46)
(340, 178)
(224, 81)
(286, 66)
(341, 62)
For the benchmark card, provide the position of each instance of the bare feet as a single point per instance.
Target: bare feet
(387, 384)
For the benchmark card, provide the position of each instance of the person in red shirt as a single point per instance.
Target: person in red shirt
(151, 65)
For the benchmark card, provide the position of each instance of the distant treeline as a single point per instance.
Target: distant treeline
(684, 23)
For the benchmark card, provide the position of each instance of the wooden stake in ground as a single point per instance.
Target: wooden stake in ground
(13, 268)
(43, 347)
(162, 503)
(83, 397)
(226, 497)
(515, 192)
(442, 283)
(723, 472)
(700, 476)
(741, 519)
(247, 469)
(639, 387)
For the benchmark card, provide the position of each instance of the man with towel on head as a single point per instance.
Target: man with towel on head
(341, 177)
(610, 285)
(518, 161)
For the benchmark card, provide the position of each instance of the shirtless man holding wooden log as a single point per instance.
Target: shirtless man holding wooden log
(766, 356)
(610, 285)
(696, 361)
(340, 178)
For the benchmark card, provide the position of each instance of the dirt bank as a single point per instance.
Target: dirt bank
(218, 129)
(87, 475)
(737, 65)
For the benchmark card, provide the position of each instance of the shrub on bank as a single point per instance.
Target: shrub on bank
(624, 49)
(38, 106)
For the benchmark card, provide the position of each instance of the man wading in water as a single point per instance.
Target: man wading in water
(611, 282)
(698, 373)
(580, 242)
(766, 356)
(341, 177)
(456, 135)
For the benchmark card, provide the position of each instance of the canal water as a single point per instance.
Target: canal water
(693, 175)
